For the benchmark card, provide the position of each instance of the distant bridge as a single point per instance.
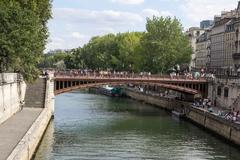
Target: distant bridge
(67, 83)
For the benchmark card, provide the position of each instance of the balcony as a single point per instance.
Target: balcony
(236, 56)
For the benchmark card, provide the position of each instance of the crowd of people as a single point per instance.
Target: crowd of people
(106, 74)
(94, 73)
(176, 74)
(127, 74)
(206, 104)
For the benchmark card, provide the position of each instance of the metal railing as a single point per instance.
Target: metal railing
(123, 76)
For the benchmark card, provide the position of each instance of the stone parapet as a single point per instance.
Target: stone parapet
(161, 102)
(29, 143)
(12, 93)
(7, 78)
(227, 129)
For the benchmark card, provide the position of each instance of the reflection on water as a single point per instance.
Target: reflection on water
(88, 126)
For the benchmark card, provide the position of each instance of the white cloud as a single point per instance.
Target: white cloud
(77, 35)
(109, 17)
(197, 10)
(69, 26)
(105, 30)
(128, 1)
(73, 27)
(152, 12)
(67, 40)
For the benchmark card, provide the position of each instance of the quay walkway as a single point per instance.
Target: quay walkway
(14, 129)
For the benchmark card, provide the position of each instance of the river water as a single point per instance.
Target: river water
(95, 127)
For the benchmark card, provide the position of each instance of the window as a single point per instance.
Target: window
(226, 92)
(198, 33)
(219, 91)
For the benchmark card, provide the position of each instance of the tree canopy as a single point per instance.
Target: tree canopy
(162, 46)
(23, 35)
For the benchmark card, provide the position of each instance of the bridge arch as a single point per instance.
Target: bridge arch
(190, 87)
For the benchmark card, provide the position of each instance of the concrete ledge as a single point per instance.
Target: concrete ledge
(221, 127)
(29, 143)
(12, 93)
(27, 146)
(161, 102)
(7, 78)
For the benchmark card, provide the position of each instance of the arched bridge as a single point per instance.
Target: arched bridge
(66, 83)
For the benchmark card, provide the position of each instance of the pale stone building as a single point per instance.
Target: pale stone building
(229, 44)
(236, 54)
(217, 36)
(225, 93)
(193, 34)
(225, 40)
(202, 50)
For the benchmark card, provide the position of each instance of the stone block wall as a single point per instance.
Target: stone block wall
(12, 93)
(149, 99)
(218, 125)
(29, 143)
(196, 116)
(233, 87)
(161, 102)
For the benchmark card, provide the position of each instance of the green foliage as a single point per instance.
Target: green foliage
(23, 35)
(52, 59)
(116, 52)
(161, 47)
(129, 52)
(164, 45)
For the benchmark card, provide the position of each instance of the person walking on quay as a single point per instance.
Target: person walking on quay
(209, 105)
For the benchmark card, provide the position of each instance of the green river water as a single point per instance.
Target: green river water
(95, 127)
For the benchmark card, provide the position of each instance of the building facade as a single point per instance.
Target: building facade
(194, 33)
(225, 40)
(236, 54)
(225, 93)
(224, 90)
(202, 45)
(217, 37)
(229, 45)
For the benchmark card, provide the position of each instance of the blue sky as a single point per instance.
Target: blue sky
(74, 22)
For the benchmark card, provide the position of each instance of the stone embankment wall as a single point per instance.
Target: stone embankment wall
(29, 143)
(12, 93)
(217, 89)
(218, 125)
(162, 102)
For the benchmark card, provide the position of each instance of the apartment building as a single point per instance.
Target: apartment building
(217, 37)
(194, 33)
(202, 50)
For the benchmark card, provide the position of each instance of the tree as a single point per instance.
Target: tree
(23, 35)
(161, 47)
(164, 44)
(101, 52)
(129, 54)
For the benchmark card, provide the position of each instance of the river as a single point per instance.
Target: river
(95, 127)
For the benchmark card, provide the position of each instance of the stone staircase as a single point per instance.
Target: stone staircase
(35, 94)
(236, 103)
